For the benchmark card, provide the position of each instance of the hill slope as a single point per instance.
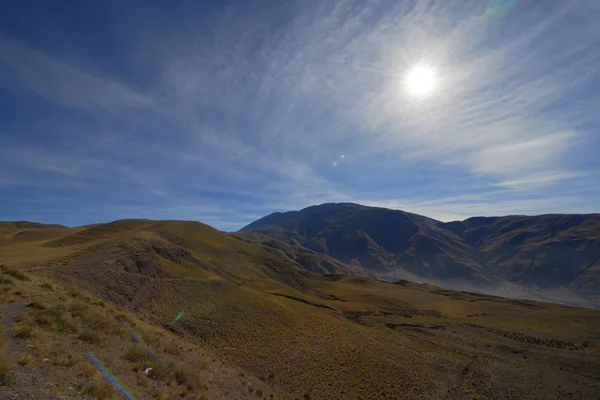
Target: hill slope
(377, 239)
(554, 257)
(303, 335)
(547, 251)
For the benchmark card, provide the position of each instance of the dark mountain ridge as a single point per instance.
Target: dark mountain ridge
(546, 253)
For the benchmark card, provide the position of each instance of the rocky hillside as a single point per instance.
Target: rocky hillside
(556, 257)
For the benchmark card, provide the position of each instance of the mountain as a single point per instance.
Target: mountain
(547, 251)
(554, 257)
(177, 309)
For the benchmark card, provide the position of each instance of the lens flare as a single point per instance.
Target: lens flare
(144, 346)
(499, 8)
(177, 318)
(110, 377)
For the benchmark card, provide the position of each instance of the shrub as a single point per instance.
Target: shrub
(25, 360)
(62, 360)
(46, 286)
(6, 281)
(23, 330)
(136, 354)
(16, 274)
(158, 372)
(172, 348)
(53, 319)
(90, 337)
(96, 322)
(37, 305)
(99, 390)
(259, 392)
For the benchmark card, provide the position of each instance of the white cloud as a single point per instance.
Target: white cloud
(540, 180)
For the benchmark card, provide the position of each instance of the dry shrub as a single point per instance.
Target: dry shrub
(136, 354)
(87, 370)
(23, 330)
(172, 348)
(158, 372)
(25, 360)
(54, 319)
(99, 389)
(6, 281)
(62, 360)
(96, 322)
(76, 305)
(90, 337)
(188, 379)
(36, 304)
(16, 274)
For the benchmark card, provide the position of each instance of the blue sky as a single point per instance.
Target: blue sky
(224, 112)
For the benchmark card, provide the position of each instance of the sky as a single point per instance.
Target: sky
(226, 111)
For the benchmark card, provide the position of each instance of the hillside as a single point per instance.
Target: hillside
(550, 257)
(377, 239)
(253, 319)
(547, 251)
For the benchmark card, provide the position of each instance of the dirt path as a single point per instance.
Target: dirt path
(24, 383)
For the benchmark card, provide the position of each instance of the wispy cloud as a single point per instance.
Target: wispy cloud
(252, 110)
(63, 83)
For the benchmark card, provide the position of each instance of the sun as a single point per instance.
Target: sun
(421, 81)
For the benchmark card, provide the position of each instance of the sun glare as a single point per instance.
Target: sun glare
(420, 81)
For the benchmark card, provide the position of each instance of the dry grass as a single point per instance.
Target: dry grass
(25, 360)
(99, 389)
(15, 274)
(63, 360)
(375, 341)
(90, 337)
(23, 330)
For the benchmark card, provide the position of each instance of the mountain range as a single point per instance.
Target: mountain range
(551, 257)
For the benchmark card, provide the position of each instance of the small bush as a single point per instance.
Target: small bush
(52, 319)
(99, 390)
(90, 337)
(37, 305)
(259, 392)
(158, 373)
(96, 322)
(77, 306)
(25, 360)
(62, 360)
(172, 348)
(6, 281)
(23, 330)
(16, 274)
(44, 319)
(46, 286)
(136, 354)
